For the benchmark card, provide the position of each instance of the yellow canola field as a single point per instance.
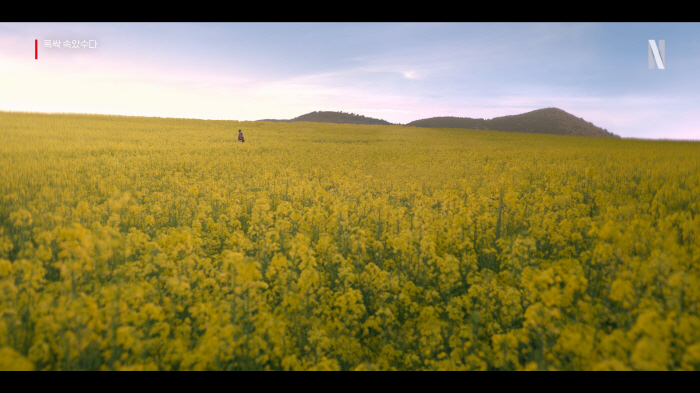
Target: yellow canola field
(133, 243)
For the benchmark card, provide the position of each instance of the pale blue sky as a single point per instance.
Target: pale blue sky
(398, 72)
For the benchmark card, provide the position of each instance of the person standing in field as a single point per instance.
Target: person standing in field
(240, 136)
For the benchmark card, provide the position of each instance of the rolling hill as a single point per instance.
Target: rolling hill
(333, 117)
(541, 121)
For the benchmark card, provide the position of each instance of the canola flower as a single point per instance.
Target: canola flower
(160, 244)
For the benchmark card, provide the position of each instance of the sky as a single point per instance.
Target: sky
(398, 72)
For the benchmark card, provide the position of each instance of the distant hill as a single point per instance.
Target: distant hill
(334, 117)
(541, 121)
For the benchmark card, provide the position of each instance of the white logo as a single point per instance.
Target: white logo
(657, 55)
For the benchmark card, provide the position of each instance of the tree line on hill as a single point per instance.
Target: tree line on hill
(334, 117)
(542, 121)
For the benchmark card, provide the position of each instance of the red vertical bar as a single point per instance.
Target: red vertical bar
(36, 49)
